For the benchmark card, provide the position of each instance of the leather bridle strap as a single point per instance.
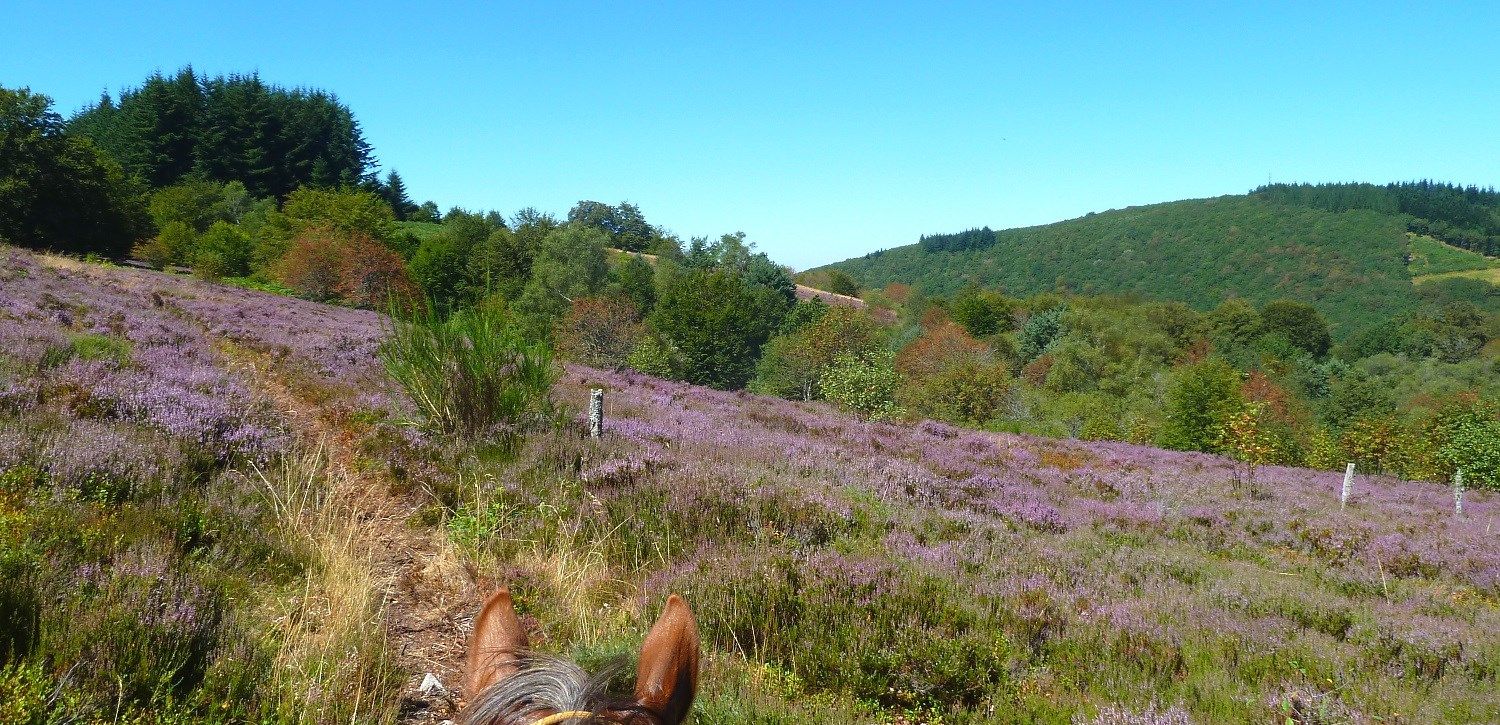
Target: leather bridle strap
(563, 717)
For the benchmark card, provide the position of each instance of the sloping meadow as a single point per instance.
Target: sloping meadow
(141, 565)
(840, 571)
(967, 576)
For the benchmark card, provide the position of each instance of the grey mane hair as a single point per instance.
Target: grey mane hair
(542, 684)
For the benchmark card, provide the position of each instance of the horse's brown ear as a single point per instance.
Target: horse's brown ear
(495, 646)
(667, 678)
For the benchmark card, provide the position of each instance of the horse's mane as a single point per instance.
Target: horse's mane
(552, 684)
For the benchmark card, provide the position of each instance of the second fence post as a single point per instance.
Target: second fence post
(596, 412)
(1348, 485)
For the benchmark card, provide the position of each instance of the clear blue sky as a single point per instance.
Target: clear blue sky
(830, 131)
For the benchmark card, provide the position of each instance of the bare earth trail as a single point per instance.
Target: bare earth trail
(428, 597)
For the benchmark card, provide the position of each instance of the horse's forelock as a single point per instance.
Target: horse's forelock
(544, 684)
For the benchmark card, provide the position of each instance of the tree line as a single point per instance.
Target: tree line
(1265, 383)
(88, 184)
(1351, 265)
(229, 128)
(1464, 216)
(967, 239)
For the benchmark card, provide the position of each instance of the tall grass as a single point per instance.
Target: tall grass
(470, 374)
(332, 663)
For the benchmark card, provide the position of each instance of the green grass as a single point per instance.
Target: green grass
(1430, 257)
(90, 347)
(260, 285)
(1491, 275)
(420, 230)
(1350, 264)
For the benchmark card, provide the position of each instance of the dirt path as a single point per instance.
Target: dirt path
(429, 597)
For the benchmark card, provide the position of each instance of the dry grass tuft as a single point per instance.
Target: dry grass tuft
(332, 662)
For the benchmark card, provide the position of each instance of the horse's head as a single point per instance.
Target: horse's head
(508, 685)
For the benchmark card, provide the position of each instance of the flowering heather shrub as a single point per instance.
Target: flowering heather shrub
(111, 462)
(142, 626)
(109, 348)
(124, 606)
(839, 620)
(1104, 572)
(125, 546)
(1174, 715)
(334, 346)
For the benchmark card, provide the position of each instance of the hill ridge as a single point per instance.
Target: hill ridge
(1198, 251)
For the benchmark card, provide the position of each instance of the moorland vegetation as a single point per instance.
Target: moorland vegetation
(213, 554)
(1060, 488)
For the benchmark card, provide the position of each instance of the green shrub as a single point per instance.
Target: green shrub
(469, 374)
(1468, 439)
(966, 392)
(173, 245)
(655, 355)
(223, 251)
(1200, 400)
(863, 385)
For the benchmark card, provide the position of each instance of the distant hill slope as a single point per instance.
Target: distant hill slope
(1350, 264)
(1432, 259)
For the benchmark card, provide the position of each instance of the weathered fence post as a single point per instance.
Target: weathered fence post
(596, 412)
(1458, 492)
(1348, 485)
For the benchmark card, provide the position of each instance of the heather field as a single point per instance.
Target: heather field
(212, 508)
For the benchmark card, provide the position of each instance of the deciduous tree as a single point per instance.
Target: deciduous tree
(1200, 400)
(57, 191)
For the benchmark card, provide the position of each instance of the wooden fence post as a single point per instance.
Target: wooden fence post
(1458, 492)
(1348, 485)
(596, 412)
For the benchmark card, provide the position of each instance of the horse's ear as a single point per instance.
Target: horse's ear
(667, 678)
(495, 646)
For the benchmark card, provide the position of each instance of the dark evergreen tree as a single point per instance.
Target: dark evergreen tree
(230, 128)
(970, 239)
(1464, 216)
(395, 193)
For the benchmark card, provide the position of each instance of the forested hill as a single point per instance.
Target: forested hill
(235, 128)
(1467, 217)
(1350, 264)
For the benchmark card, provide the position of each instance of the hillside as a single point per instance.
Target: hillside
(1349, 264)
(253, 533)
(1432, 260)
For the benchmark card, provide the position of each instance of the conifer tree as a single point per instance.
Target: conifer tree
(395, 193)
